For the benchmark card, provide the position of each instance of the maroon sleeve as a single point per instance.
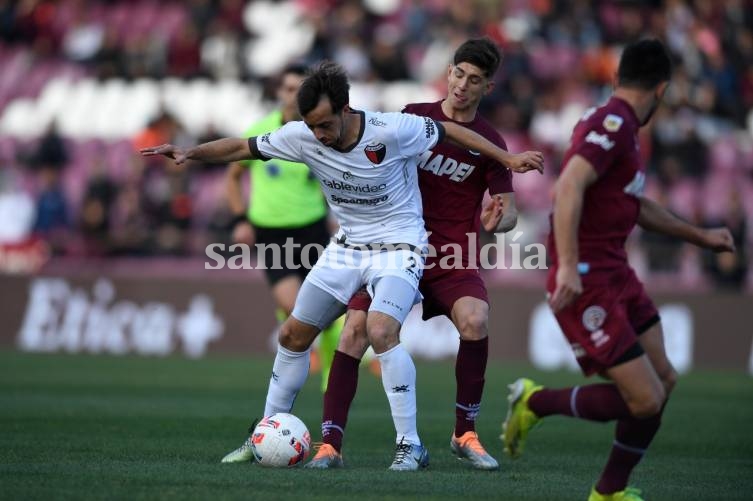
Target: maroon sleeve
(499, 180)
(498, 177)
(409, 108)
(598, 145)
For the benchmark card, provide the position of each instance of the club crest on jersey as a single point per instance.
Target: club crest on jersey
(593, 317)
(375, 152)
(612, 123)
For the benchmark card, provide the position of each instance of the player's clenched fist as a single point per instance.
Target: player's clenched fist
(528, 160)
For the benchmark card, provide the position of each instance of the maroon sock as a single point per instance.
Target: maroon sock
(470, 367)
(341, 389)
(632, 437)
(595, 402)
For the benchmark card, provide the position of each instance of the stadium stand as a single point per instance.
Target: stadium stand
(111, 75)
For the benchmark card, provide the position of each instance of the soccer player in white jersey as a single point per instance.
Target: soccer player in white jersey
(366, 164)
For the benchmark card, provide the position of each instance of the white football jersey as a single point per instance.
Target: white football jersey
(371, 188)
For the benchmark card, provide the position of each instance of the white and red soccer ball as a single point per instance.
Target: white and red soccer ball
(281, 441)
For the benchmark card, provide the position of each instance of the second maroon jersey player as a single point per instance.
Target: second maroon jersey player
(603, 325)
(453, 181)
(607, 138)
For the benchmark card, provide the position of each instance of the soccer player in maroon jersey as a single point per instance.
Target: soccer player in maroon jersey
(453, 181)
(610, 322)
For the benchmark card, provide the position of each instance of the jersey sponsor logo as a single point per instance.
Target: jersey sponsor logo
(358, 201)
(599, 337)
(588, 113)
(357, 188)
(612, 122)
(429, 127)
(347, 175)
(602, 140)
(375, 121)
(593, 317)
(442, 166)
(375, 152)
(635, 187)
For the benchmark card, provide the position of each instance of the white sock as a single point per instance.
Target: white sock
(399, 381)
(289, 372)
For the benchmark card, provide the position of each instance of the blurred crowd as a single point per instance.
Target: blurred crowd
(559, 58)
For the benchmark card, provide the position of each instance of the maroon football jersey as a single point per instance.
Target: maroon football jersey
(608, 138)
(453, 181)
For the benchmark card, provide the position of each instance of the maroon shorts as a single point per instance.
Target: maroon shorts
(604, 323)
(440, 288)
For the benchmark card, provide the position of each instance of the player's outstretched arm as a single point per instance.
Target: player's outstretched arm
(521, 162)
(219, 151)
(577, 175)
(654, 217)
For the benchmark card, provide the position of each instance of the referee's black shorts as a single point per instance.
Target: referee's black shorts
(275, 238)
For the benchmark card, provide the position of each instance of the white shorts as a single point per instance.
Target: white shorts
(341, 271)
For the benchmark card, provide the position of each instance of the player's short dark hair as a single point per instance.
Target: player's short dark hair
(644, 64)
(480, 52)
(327, 79)
(295, 69)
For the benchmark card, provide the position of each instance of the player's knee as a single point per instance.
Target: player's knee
(669, 380)
(649, 405)
(473, 326)
(292, 338)
(353, 340)
(382, 337)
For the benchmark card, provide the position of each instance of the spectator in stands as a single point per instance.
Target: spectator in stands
(131, 233)
(52, 213)
(110, 59)
(387, 54)
(52, 221)
(8, 31)
(83, 39)
(16, 210)
(730, 272)
(51, 152)
(165, 201)
(184, 53)
(708, 103)
(95, 216)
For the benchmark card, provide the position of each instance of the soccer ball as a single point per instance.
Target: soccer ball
(280, 441)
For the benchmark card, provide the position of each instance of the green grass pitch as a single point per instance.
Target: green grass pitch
(86, 427)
